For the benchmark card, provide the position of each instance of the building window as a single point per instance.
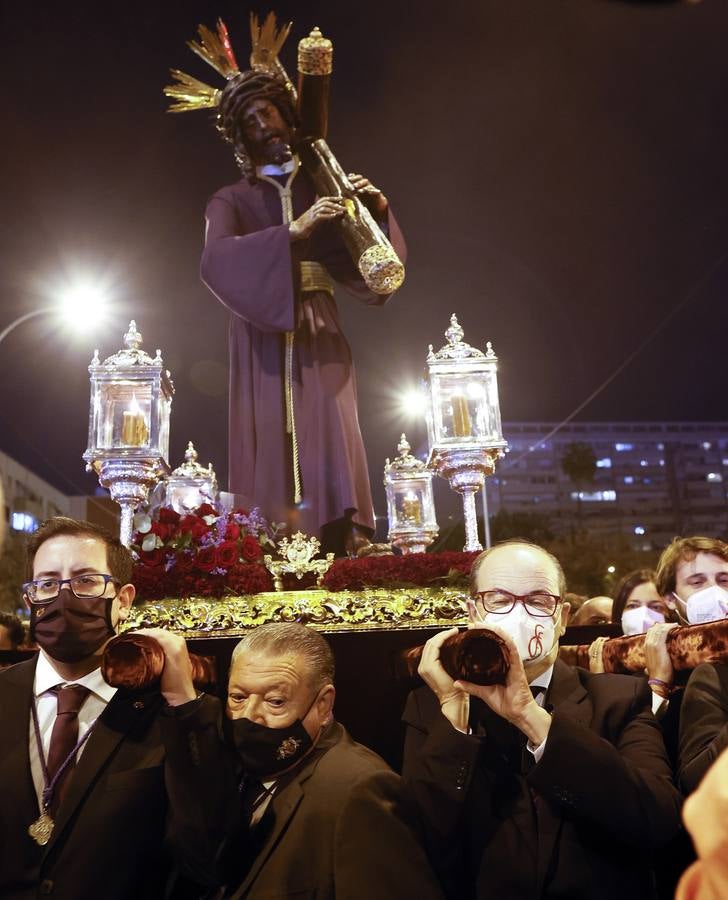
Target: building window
(605, 463)
(706, 445)
(714, 477)
(620, 448)
(643, 463)
(629, 479)
(20, 521)
(594, 496)
(639, 529)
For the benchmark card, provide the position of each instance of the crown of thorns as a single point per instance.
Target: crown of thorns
(266, 78)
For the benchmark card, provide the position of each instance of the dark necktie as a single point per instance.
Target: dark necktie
(64, 738)
(252, 793)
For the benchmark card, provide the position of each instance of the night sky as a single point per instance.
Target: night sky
(560, 171)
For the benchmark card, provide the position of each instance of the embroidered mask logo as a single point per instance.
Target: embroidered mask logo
(289, 747)
(535, 645)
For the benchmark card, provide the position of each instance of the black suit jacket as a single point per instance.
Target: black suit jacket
(578, 824)
(703, 722)
(335, 828)
(108, 840)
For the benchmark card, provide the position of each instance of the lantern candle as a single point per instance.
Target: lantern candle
(134, 431)
(412, 509)
(461, 423)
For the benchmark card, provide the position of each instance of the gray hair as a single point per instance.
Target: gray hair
(291, 639)
(517, 542)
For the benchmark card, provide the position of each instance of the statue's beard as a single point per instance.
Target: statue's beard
(276, 150)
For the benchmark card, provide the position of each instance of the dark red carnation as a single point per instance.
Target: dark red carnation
(206, 559)
(149, 582)
(209, 586)
(205, 510)
(227, 554)
(232, 532)
(152, 557)
(251, 549)
(168, 516)
(249, 578)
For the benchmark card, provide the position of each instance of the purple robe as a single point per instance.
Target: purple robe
(251, 266)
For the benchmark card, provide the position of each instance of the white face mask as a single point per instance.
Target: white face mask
(706, 605)
(534, 636)
(639, 619)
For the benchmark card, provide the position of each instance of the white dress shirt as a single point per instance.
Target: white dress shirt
(543, 681)
(46, 704)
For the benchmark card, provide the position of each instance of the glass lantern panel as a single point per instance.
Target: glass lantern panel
(186, 497)
(410, 507)
(491, 410)
(123, 416)
(164, 407)
(462, 408)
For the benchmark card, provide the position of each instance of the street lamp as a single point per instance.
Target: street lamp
(81, 303)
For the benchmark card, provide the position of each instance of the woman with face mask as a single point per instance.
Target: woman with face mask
(637, 604)
(639, 609)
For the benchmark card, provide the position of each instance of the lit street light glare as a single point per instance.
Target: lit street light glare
(414, 402)
(83, 303)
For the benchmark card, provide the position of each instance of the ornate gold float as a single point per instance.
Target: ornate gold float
(373, 609)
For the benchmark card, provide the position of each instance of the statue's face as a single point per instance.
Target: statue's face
(266, 133)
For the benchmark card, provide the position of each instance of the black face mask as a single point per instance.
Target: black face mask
(268, 751)
(70, 629)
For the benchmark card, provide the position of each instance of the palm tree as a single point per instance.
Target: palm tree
(579, 464)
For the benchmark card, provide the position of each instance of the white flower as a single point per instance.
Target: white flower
(151, 542)
(142, 523)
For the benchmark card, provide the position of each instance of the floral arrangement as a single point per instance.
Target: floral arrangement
(204, 554)
(209, 553)
(411, 570)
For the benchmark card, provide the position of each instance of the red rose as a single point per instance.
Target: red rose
(185, 562)
(205, 510)
(241, 512)
(232, 532)
(162, 531)
(227, 554)
(195, 526)
(206, 559)
(168, 516)
(251, 549)
(152, 557)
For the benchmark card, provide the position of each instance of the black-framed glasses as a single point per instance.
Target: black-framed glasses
(85, 587)
(537, 603)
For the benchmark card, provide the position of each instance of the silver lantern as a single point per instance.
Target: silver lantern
(410, 502)
(191, 484)
(463, 419)
(128, 434)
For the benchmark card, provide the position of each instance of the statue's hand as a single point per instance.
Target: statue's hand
(370, 195)
(323, 210)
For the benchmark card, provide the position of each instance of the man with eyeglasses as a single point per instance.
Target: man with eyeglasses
(88, 794)
(554, 784)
